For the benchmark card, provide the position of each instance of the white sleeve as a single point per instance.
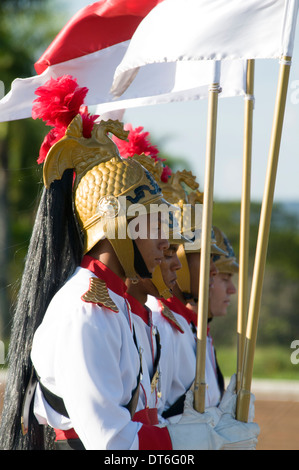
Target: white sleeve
(95, 365)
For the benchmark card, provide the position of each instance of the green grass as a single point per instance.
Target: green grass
(271, 362)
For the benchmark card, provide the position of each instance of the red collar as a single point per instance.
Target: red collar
(138, 309)
(178, 307)
(112, 280)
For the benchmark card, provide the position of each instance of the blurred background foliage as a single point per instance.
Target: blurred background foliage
(279, 316)
(26, 29)
(279, 320)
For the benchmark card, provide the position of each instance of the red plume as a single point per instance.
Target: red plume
(51, 138)
(138, 143)
(59, 101)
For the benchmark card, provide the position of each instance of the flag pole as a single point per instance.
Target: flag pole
(203, 295)
(245, 220)
(262, 242)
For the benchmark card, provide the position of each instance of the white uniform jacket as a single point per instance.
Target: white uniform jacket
(85, 353)
(149, 342)
(177, 327)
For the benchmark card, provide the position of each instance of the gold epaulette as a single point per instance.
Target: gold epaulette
(167, 313)
(98, 294)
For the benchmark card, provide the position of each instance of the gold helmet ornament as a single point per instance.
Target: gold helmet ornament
(139, 148)
(176, 233)
(107, 190)
(225, 263)
(182, 190)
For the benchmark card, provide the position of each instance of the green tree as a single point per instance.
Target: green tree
(26, 29)
(278, 322)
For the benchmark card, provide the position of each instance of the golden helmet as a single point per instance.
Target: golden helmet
(182, 190)
(176, 234)
(107, 189)
(225, 263)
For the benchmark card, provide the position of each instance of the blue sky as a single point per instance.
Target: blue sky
(181, 129)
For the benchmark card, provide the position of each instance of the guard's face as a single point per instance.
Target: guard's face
(152, 241)
(220, 295)
(194, 268)
(170, 265)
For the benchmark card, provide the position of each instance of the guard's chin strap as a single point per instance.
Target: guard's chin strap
(139, 263)
(183, 274)
(122, 245)
(160, 285)
(126, 249)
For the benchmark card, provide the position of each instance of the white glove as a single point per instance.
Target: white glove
(216, 428)
(194, 436)
(211, 415)
(229, 399)
(194, 431)
(237, 435)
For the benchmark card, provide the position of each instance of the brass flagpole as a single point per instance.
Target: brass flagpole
(245, 220)
(262, 242)
(203, 295)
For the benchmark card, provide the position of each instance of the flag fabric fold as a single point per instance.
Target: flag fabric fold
(93, 48)
(201, 30)
(95, 27)
(89, 47)
(92, 45)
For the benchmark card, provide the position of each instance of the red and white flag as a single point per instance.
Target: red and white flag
(92, 45)
(205, 30)
(89, 48)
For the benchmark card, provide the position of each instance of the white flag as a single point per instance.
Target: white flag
(180, 81)
(91, 46)
(201, 30)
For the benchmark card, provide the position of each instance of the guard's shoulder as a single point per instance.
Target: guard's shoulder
(169, 316)
(98, 293)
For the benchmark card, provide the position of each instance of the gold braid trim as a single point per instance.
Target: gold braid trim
(169, 315)
(98, 294)
(155, 380)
